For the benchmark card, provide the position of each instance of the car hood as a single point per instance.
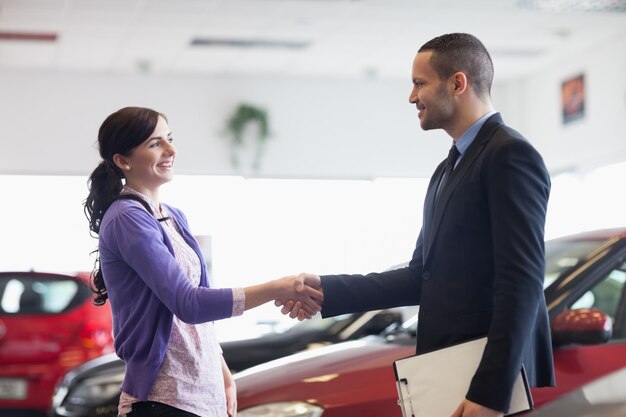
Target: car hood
(325, 375)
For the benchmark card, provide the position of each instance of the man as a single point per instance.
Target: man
(478, 265)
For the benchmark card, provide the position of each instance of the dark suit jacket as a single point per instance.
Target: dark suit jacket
(478, 266)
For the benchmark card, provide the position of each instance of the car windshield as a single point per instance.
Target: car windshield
(317, 323)
(408, 328)
(562, 255)
(25, 294)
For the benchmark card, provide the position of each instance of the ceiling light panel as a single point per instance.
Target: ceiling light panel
(575, 5)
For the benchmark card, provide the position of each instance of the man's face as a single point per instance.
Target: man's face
(432, 96)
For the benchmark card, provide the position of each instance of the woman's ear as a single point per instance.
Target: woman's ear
(121, 162)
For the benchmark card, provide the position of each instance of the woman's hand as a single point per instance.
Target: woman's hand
(231, 390)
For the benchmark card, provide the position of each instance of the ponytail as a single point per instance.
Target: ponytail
(105, 184)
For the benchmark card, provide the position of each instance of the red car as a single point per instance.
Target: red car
(586, 296)
(48, 324)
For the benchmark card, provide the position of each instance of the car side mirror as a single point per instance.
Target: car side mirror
(586, 326)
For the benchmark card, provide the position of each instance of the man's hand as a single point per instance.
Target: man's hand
(468, 408)
(305, 283)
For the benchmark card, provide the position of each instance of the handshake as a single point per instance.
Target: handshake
(300, 296)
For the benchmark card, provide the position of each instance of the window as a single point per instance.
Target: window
(563, 255)
(607, 296)
(21, 294)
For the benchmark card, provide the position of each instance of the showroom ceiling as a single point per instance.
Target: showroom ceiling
(336, 38)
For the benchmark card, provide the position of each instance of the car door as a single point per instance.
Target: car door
(576, 365)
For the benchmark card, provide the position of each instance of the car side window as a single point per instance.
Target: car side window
(27, 295)
(607, 296)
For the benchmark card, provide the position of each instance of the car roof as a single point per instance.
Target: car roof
(83, 276)
(604, 234)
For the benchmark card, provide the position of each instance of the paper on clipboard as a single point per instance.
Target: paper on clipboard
(433, 384)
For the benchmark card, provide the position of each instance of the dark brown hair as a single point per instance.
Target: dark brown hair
(462, 52)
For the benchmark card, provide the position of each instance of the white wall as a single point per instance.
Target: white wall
(323, 128)
(595, 140)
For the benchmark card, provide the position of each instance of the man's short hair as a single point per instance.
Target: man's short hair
(462, 52)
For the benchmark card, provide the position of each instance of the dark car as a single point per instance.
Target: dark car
(93, 389)
(310, 334)
(48, 325)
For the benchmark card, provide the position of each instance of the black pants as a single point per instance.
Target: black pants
(154, 409)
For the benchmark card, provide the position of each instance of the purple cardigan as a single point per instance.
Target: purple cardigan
(146, 288)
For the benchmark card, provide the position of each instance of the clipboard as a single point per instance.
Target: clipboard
(433, 384)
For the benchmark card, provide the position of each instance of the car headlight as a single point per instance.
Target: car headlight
(283, 409)
(95, 391)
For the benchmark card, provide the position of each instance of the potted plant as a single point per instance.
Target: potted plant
(248, 121)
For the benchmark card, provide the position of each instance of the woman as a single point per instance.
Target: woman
(151, 269)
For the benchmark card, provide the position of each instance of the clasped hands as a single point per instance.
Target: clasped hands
(304, 298)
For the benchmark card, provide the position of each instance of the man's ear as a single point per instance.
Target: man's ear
(460, 83)
(121, 162)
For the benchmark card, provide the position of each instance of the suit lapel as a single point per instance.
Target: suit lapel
(438, 204)
(429, 205)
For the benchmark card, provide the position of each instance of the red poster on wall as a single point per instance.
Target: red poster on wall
(573, 98)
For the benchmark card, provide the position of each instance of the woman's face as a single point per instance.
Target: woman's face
(151, 164)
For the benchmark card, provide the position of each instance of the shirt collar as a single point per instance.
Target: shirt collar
(468, 137)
